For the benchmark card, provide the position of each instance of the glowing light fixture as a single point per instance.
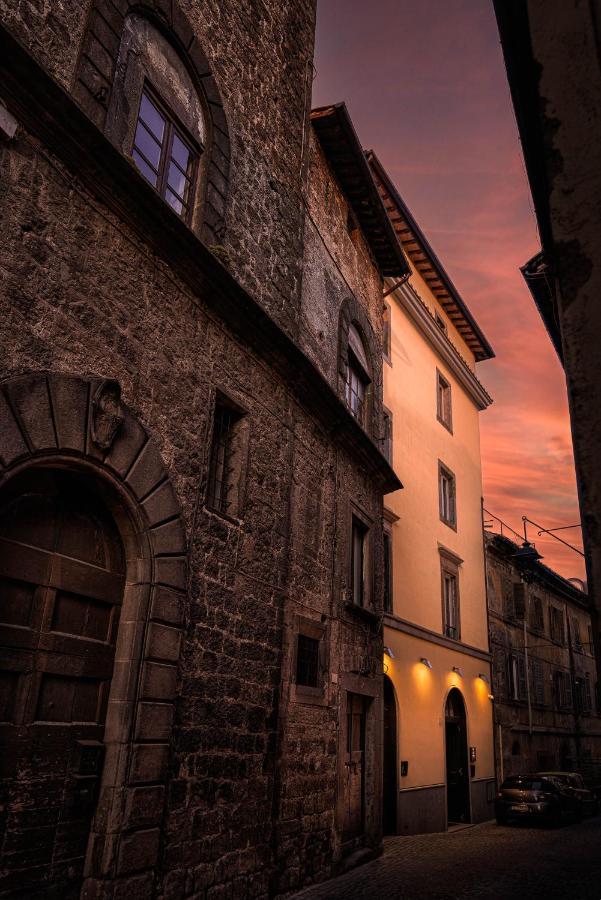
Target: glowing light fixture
(389, 652)
(426, 662)
(458, 671)
(484, 677)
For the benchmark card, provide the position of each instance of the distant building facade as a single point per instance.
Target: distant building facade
(191, 466)
(438, 737)
(547, 714)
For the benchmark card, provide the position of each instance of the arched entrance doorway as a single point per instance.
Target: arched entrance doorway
(457, 766)
(61, 586)
(390, 781)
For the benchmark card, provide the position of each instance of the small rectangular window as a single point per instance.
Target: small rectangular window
(163, 155)
(358, 561)
(516, 677)
(443, 401)
(307, 661)
(386, 332)
(450, 604)
(446, 493)
(225, 462)
(557, 625)
(356, 384)
(387, 435)
(537, 615)
(562, 684)
(387, 570)
(576, 636)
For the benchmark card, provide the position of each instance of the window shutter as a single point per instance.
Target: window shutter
(538, 680)
(522, 687)
(568, 690)
(588, 699)
(508, 597)
(519, 599)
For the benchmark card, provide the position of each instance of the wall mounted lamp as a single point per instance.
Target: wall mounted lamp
(484, 677)
(458, 671)
(389, 652)
(426, 662)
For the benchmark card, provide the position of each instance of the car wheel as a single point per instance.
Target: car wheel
(578, 813)
(501, 820)
(554, 818)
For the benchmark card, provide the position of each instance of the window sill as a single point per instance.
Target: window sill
(308, 696)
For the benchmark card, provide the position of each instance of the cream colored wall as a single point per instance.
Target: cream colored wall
(421, 696)
(419, 441)
(426, 295)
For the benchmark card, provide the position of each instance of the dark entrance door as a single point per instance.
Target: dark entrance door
(61, 585)
(458, 791)
(390, 783)
(354, 768)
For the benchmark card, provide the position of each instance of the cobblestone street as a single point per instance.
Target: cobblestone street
(487, 861)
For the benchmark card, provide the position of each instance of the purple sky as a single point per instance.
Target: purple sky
(426, 88)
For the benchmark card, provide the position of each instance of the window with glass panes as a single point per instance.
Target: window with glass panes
(163, 155)
(443, 401)
(446, 496)
(450, 604)
(355, 388)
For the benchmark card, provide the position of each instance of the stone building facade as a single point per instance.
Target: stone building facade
(190, 444)
(547, 714)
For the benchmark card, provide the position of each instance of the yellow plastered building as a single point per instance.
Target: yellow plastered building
(438, 722)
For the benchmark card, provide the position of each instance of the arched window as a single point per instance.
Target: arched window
(157, 115)
(357, 376)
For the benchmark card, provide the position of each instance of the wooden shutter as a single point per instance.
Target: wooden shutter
(519, 599)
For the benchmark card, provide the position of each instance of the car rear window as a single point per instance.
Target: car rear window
(527, 784)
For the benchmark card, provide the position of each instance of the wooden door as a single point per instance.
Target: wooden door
(458, 791)
(354, 767)
(61, 585)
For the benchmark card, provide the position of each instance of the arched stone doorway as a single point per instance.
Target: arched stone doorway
(62, 574)
(93, 564)
(390, 779)
(457, 764)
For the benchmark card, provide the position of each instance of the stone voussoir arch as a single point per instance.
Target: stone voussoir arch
(80, 423)
(95, 74)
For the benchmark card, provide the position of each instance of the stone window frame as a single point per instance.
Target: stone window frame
(52, 419)
(443, 470)
(387, 570)
(235, 514)
(450, 565)
(443, 382)
(304, 693)
(94, 80)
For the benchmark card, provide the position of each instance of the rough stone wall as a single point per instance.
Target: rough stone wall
(337, 263)
(327, 481)
(566, 76)
(260, 54)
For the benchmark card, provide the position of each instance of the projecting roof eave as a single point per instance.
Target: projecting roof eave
(343, 150)
(542, 287)
(445, 291)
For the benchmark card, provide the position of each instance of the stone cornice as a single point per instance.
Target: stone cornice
(425, 634)
(50, 115)
(414, 306)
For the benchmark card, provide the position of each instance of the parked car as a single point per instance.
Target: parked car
(536, 797)
(575, 782)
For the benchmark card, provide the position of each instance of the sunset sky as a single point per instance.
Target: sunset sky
(426, 88)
